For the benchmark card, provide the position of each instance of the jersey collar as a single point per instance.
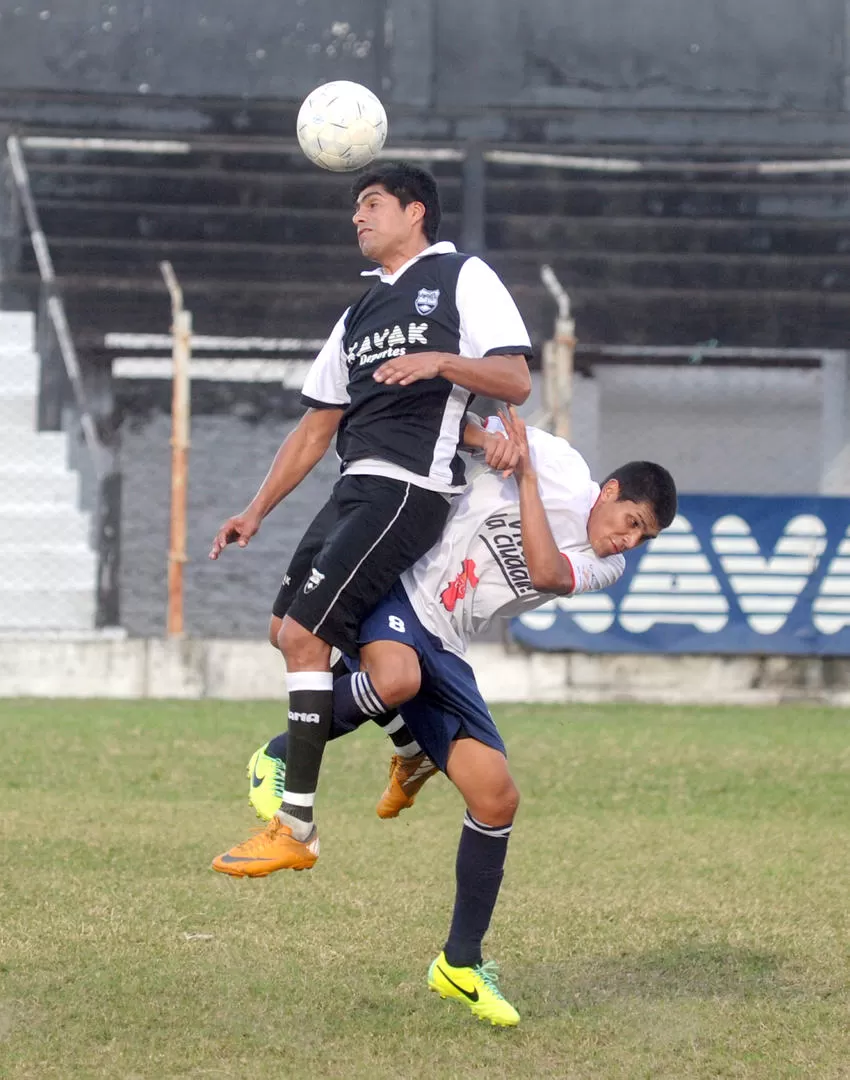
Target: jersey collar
(442, 247)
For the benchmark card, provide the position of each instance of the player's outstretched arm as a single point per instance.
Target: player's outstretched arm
(504, 377)
(300, 451)
(549, 571)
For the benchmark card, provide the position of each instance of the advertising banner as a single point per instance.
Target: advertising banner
(733, 574)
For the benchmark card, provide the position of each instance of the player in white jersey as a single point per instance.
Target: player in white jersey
(510, 544)
(477, 571)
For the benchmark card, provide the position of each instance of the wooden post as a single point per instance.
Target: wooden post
(181, 330)
(558, 360)
(564, 349)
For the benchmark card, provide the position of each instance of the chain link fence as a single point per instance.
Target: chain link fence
(724, 421)
(87, 504)
(751, 426)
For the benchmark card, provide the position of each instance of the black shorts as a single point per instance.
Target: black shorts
(370, 530)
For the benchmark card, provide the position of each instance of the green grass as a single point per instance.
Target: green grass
(675, 905)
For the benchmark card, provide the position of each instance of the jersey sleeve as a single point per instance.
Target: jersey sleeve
(592, 574)
(326, 384)
(490, 322)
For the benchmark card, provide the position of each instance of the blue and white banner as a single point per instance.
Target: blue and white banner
(733, 574)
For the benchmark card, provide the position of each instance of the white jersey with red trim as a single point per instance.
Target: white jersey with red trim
(477, 571)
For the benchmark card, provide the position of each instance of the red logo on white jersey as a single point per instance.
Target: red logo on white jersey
(456, 590)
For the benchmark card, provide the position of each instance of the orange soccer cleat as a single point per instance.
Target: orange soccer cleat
(275, 848)
(407, 775)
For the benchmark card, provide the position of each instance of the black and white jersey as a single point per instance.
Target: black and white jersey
(440, 301)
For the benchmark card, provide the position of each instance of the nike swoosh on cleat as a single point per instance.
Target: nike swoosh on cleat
(242, 858)
(255, 780)
(473, 996)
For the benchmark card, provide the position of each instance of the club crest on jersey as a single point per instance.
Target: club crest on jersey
(316, 578)
(427, 300)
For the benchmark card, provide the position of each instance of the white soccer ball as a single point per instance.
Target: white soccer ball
(341, 126)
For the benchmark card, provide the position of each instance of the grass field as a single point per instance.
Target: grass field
(676, 902)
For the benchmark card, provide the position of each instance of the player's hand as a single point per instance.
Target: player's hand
(500, 453)
(236, 530)
(404, 370)
(514, 425)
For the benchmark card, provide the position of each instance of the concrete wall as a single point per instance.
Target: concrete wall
(762, 54)
(653, 66)
(746, 431)
(246, 670)
(219, 48)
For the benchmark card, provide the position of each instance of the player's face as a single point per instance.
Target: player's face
(385, 227)
(618, 525)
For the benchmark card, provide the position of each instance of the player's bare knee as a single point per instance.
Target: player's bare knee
(497, 806)
(397, 684)
(302, 650)
(511, 800)
(394, 670)
(274, 631)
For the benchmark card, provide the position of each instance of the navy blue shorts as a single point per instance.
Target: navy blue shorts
(449, 704)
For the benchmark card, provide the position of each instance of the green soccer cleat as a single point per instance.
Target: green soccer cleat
(266, 775)
(477, 987)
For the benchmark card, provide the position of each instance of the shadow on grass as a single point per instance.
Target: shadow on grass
(676, 970)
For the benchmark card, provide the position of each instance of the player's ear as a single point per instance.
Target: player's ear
(610, 491)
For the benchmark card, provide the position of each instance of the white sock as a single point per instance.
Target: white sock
(300, 829)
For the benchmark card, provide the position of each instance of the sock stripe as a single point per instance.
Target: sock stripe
(392, 726)
(299, 798)
(309, 680)
(360, 694)
(365, 695)
(372, 694)
(498, 831)
(356, 693)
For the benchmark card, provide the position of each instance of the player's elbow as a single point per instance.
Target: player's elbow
(317, 427)
(557, 580)
(520, 384)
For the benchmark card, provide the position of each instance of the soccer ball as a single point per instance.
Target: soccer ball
(341, 126)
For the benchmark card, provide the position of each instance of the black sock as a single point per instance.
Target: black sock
(395, 728)
(479, 870)
(310, 716)
(346, 717)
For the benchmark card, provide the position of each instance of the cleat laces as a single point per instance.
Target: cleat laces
(279, 778)
(489, 973)
(260, 837)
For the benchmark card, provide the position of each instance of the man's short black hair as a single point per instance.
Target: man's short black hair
(409, 184)
(646, 482)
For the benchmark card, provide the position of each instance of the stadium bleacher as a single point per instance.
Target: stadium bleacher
(263, 245)
(667, 254)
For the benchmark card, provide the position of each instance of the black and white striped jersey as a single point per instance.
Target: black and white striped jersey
(440, 301)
